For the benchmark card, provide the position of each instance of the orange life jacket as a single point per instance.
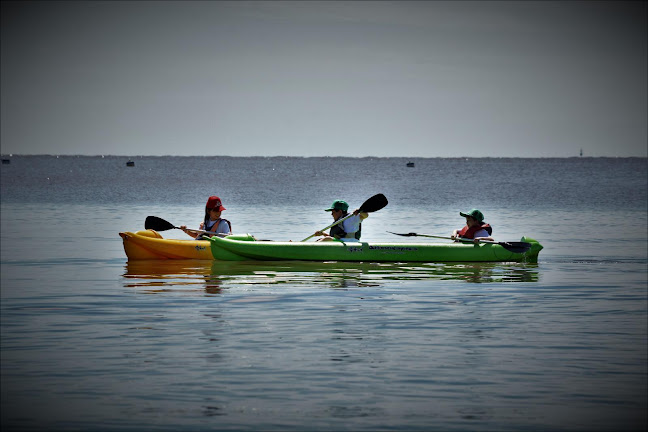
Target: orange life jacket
(216, 223)
(470, 232)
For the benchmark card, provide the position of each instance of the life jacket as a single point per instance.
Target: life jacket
(216, 223)
(338, 232)
(470, 232)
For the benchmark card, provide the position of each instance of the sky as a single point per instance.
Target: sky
(331, 78)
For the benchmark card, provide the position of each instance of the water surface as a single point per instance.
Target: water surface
(91, 341)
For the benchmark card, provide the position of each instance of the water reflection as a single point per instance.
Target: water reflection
(213, 276)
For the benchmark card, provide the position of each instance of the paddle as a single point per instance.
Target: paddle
(515, 247)
(373, 204)
(159, 224)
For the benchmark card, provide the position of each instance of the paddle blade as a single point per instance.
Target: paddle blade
(374, 203)
(157, 224)
(516, 247)
(404, 235)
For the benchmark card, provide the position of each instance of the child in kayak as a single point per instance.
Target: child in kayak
(349, 229)
(213, 221)
(475, 228)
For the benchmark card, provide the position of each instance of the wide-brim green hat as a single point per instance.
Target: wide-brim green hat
(338, 205)
(474, 213)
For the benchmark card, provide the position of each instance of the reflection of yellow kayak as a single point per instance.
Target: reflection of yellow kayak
(149, 245)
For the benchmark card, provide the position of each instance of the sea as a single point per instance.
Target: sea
(93, 342)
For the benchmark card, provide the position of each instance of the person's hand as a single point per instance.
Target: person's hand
(319, 233)
(202, 226)
(356, 211)
(183, 228)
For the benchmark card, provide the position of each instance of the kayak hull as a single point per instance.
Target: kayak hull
(150, 245)
(234, 250)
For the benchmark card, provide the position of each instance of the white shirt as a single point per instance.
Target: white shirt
(350, 227)
(482, 233)
(223, 228)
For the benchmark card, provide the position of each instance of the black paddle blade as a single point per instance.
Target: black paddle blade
(157, 224)
(404, 235)
(516, 247)
(374, 203)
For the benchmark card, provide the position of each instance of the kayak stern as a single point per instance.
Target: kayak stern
(150, 245)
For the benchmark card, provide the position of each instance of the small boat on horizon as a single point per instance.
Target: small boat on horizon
(410, 164)
(130, 163)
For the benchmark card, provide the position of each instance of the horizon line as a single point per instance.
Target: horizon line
(321, 157)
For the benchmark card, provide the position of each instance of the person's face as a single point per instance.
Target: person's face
(471, 222)
(335, 213)
(214, 213)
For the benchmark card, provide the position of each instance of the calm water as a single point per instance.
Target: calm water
(93, 342)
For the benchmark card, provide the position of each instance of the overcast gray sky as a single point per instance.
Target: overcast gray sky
(411, 79)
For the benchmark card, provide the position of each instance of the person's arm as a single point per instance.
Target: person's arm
(363, 215)
(350, 225)
(189, 233)
(488, 239)
(482, 235)
(323, 235)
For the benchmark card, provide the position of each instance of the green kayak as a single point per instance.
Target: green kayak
(236, 250)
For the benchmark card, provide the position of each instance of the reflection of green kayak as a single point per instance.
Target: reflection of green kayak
(165, 275)
(235, 250)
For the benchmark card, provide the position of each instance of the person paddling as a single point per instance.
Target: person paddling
(213, 221)
(347, 230)
(475, 228)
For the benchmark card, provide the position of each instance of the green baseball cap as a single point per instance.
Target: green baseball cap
(338, 205)
(474, 213)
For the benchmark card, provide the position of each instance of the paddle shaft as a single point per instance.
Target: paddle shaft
(203, 232)
(517, 247)
(461, 239)
(450, 238)
(339, 221)
(159, 224)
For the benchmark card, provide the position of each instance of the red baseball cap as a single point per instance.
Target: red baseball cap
(215, 203)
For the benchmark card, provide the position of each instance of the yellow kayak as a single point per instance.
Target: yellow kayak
(150, 245)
